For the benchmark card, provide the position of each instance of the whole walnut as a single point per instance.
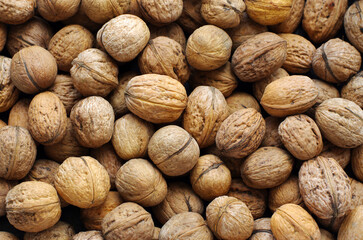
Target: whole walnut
(208, 48)
(128, 221)
(57, 10)
(336, 61)
(352, 227)
(123, 37)
(5, 186)
(18, 115)
(173, 150)
(268, 12)
(67, 43)
(8, 236)
(100, 11)
(3, 35)
(229, 218)
(89, 235)
(240, 100)
(172, 30)
(88, 188)
(262, 230)
(163, 55)
(33, 69)
(341, 155)
(160, 12)
(17, 152)
(353, 23)
(94, 73)
(353, 90)
(60, 231)
(357, 162)
(33, 206)
(16, 11)
(180, 198)
(272, 137)
(191, 18)
(9, 94)
(93, 121)
(293, 20)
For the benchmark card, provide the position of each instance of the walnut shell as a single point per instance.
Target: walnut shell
(353, 91)
(208, 48)
(9, 94)
(102, 11)
(272, 137)
(33, 206)
(156, 98)
(240, 100)
(268, 12)
(173, 150)
(18, 115)
(3, 35)
(325, 235)
(259, 56)
(172, 30)
(92, 182)
(60, 231)
(352, 227)
(89, 235)
(5, 186)
(357, 193)
(191, 18)
(57, 10)
(262, 230)
(341, 122)
(326, 91)
(293, 20)
(357, 162)
(341, 155)
(17, 11)
(160, 12)
(241, 133)
(81, 18)
(43, 170)
(17, 152)
(353, 23)
(8, 236)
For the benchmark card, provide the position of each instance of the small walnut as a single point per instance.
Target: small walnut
(128, 221)
(341, 155)
(33, 206)
(5, 186)
(208, 48)
(67, 43)
(89, 235)
(272, 137)
(191, 18)
(3, 35)
(8, 236)
(88, 188)
(100, 11)
(229, 218)
(60, 231)
(172, 30)
(353, 22)
(59, 10)
(160, 12)
(9, 94)
(17, 152)
(173, 150)
(357, 193)
(16, 11)
(352, 227)
(293, 20)
(240, 100)
(357, 162)
(353, 91)
(18, 115)
(268, 12)
(262, 230)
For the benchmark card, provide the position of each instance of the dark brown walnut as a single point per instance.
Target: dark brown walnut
(357, 162)
(210, 178)
(259, 56)
(123, 37)
(160, 12)
(59, 10)
(341, 155)
(67, 43)
(293, 20)
(156, 98)
(223, 14)
(268, 12)
(173, 150)
(141, 182)
(208, 48)
(336, 61)
(272, 137)
(240, 100)
(206, 110)
(186, 225)
(88, 188)
(5, 186)
(81, 18)
(325, 189)
(241, 133)
(255, 199)
(63, 87)
(352, 225)
(43, 170)
(290, 221)
(33, 206)
(229, 218)
(267, 167)
(60, 231)
(262, 230)
(18, 115)
(3, 35)
(101, 11)
(191, 18)
(172, 30)
(33, 69)
(89, 235)
(289, 95)
(325, 235)
(163, 55)
(92, 217)
(17, 152)
(353, 91)
(8, 236)
(128, 221)
(9, 94)
(93, 121)
(341, 122)
(357, 193)
(94, 73)
(180, 198)
(353, 21)
(17, 11)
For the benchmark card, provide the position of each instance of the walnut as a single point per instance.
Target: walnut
(268, 12)
(17, 152)
(240, 100)
(272, 137)
(8, 236)
(57, 10)
(9, 94)
(352, 24)
(357, 162)
(262, 230)
(18, 115)
(160, 12)
(172, 30)
(33, 206)
(5, 186)
(60, 231)
(353, 90)
(191, 18)
(43, 170)
(17, 11)
(134, 8)
(208, 48)
(352, 227)
(293, 20)
(102, 11)
(3, 35)
(326, 91)
(81, 18)
(89, 235)
(173, 150)
(341, 155)
(325, 235)
(357, 193)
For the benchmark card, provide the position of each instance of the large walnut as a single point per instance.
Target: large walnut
(268, 12)
(16, 11)
(9, 94)
(293, 20)
(100, 11)
(59, 10)
(353, 22)
(160, 12)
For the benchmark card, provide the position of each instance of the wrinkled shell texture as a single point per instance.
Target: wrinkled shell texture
(268, 12)
(33, 206)
(353, 20)
(60, 231)
(8, 236)
(293, 20)
(259, 56)
(58, 10)
(353, 91)
(241, 133)
(3, 35)
(326, 91)
(5, 187)
(191, 19)
(156, 98)
(160, 12)
(101, 11)
(262, 230)
(89, 235)
(43, 170)
(172, 30)
(272, 137)
(352, 227)
(9, 94)
(88, 188)
(16, 11)
(357, 162)
(357, 193)
(18, 115)
(240, 100)
(341, 122)
(341, 155)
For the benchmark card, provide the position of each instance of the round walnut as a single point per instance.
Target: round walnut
(341, 122)
(101, 11)
(172, 30)
(240, 100)
(206, 110)
(268, 12)
(67, 43)
(57, 10)
(60, 231)
(163, 55)
(223, 14)
(262, 230)
(8, 236)
(5, 187)
(160, 12)
(180, 198)
(9, 94)
(16, 11)
(156, 98)
(89, 235)
(272, 137)
(33, 206)
(336, 61)
(18, 115)
(352, 24)
(293, 20)
(93, 121)
(191, 18)
(357, 162)
(17, 152)
(290, 221)
(255, 199)
(325, 189)
(33, 69)
(241, 133)
(353, 91)
(341, 155)
(208, 48)
(229, 218)
(187, 225)
(352, 227)
(259, 56)
(88, 188)
(173, 150)
(124, 37)
(210, 178)
(128, 221)
(3, 35)
(267, 167)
